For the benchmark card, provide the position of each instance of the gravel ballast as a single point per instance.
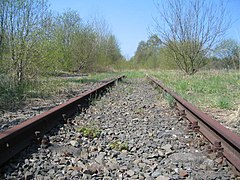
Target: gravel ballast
(131, 133)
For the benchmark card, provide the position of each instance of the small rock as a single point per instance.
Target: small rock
(212, 156)
(219, 160)
(28, 175)
(146, 175)
(92, 169)
(133, 149)
(62, 161)
(209, 163)
(176, 170)
(74, 143)
(51, 172)
(130, 173)
(146, 161)
(75, 173)
(155, 174)
(162, 178)
(137, 161)
(112, 165)
(135, 177)
(160, 153)
(99, 159)
(151, 156)
(123, 168)
(84, 154)
(167, 149)
(183, 173)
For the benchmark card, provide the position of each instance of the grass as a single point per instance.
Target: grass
(216, 89)
(13, 96)
(51, 86)
(89, 131)
(170, 99)
(118, 145)
(135, 74)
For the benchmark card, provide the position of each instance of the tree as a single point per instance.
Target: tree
(21, 27)
(67, 25)
(190, 29)
(113, 50)
(84, 49)
(147, 52)
(229, 52)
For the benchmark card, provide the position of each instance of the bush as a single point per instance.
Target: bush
(11, 95)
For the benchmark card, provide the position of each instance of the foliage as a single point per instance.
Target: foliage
(170, 99)
(118, 145)
(36, 43)
(205, 89)
(152, 55)
(228, 52)
(224, 103)
(89, 131)
(11, 95)
(190, 30)
(22, 24)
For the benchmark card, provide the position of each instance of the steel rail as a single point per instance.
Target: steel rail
(224, 142)
(15, 139)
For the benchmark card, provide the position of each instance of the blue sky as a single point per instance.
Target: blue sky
(130, 20)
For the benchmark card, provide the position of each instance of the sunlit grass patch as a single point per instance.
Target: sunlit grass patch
(50, 86)
(135, 74)
(205, 89)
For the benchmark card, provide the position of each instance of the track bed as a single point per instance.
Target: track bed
(130, 133)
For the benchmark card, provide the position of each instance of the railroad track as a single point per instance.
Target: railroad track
(135, 136)
(20, 136)
(224, 142)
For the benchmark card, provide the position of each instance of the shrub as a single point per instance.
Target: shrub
(11, 94)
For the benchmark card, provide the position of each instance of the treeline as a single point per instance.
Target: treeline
(187, 37)
(152, 54)
(35, 41)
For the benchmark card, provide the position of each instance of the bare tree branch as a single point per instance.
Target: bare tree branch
(190, 29)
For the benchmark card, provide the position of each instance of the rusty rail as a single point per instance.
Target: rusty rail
(15, 139)
(224, 142)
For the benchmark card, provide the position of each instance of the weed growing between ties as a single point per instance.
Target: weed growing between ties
(118, 145)
(89, 131)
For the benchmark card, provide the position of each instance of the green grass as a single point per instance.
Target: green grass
(89, 131)
(135, 74)
(46, 87)
(12, 95)
(51, 86)
(118, 145)
(217, 89)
